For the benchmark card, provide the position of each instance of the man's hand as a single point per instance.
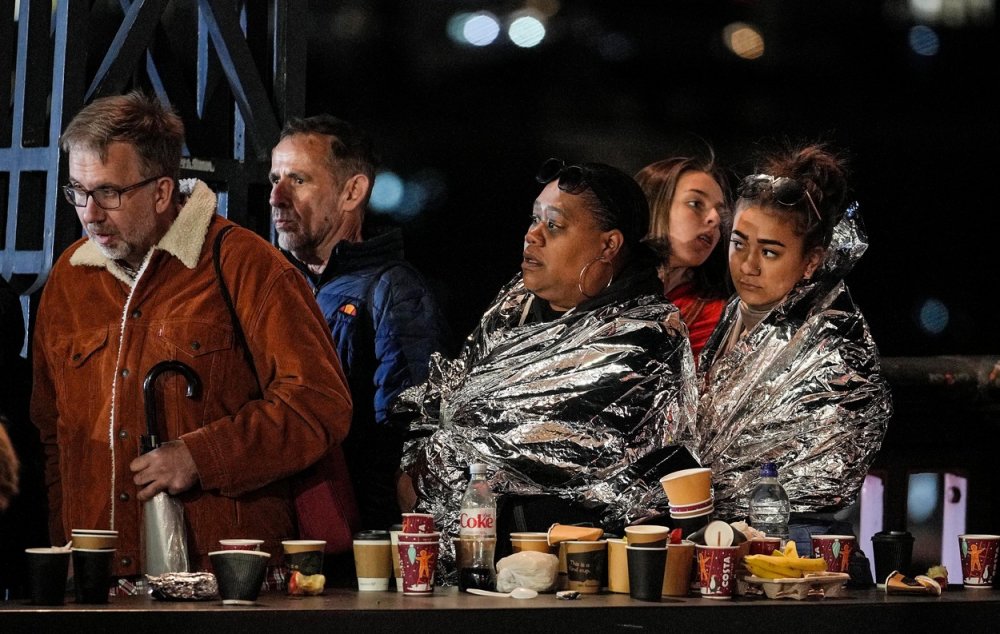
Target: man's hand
(169, 468)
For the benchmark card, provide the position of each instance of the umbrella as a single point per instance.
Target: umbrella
(164, 534)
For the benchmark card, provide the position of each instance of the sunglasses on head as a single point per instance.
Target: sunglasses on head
(782, 190)
(572, 178)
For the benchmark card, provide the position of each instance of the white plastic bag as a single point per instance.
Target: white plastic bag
(528, 569)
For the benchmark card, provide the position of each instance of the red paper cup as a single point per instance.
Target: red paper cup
(417, 561)
(412, 538)
(693, 507)
(418, 523)
(716, 569)
(764, 545)
(979, 559)
(835, 549)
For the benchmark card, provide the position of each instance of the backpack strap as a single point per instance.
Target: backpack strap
(237, 327)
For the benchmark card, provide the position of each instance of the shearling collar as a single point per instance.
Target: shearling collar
(184, 239)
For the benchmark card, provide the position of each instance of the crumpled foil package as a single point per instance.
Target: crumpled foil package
(576, 407)
(183, 586)
(802, 389)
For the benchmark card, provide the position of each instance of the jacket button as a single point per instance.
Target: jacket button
(195, 345)
(126, 561)
(124, 497)
(125, 372)
(123, 434)
(136, 314)
(76, 356)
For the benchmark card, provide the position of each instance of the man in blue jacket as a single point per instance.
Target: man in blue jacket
(382, 315)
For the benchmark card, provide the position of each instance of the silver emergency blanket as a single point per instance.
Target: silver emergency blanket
(803, 389)
(576, 407)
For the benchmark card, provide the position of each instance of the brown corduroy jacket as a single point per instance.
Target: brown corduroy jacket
(97, 335)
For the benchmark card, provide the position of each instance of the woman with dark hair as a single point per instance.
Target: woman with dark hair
(689, 218)
(566, 386)
(791, 374)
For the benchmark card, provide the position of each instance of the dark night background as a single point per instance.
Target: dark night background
(628, 83)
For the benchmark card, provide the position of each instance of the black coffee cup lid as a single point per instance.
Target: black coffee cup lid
(371, 535)
(892, 535)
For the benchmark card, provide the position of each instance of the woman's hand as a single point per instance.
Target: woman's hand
(406, 495)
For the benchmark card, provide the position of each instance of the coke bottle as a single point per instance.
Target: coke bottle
(477, 532)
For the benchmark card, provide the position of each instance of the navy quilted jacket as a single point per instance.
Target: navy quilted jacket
(385, 324)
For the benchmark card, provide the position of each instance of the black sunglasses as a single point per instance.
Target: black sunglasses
(572, 178)
(782, 189)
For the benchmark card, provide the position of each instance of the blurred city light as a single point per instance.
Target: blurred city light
(526, 31)
(387, 192)
(924, 40)
(743, 40)
(922, 496)
(953, 13)
(478, 29)
(406, 198)
(934, 316)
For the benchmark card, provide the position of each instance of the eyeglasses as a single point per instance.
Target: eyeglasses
(104, 197)
(783, 190)
(572, 178)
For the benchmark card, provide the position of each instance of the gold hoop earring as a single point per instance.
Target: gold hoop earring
(583, 273)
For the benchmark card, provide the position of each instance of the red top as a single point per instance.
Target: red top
(700, 315)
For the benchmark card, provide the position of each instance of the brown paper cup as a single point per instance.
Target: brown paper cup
(241, 544)
(649, 535)
(304, 555)
(567, 532)
(586, 562)
(687, 486)
(677, 574)
(373, 560)
(537, 542)
(617, 565)
(94, 539)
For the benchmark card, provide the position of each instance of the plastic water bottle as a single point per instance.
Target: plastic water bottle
(477, 532)
(769, 506)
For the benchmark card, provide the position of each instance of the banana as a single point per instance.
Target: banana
(796, 563)
(790, 550)
(783, 564)
(808, 565)
(767, 570)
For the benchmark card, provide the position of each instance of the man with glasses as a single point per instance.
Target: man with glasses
(145, 285)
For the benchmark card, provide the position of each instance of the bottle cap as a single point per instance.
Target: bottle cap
(769, 470)
(477, 467)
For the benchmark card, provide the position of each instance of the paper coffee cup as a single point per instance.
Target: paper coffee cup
(373, 560)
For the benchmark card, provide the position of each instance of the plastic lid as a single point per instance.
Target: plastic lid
(894, 536)
(769, 470)
(477, 467)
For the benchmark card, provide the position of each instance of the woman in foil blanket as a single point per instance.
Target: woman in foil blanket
(791, 373)
(570, 381)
